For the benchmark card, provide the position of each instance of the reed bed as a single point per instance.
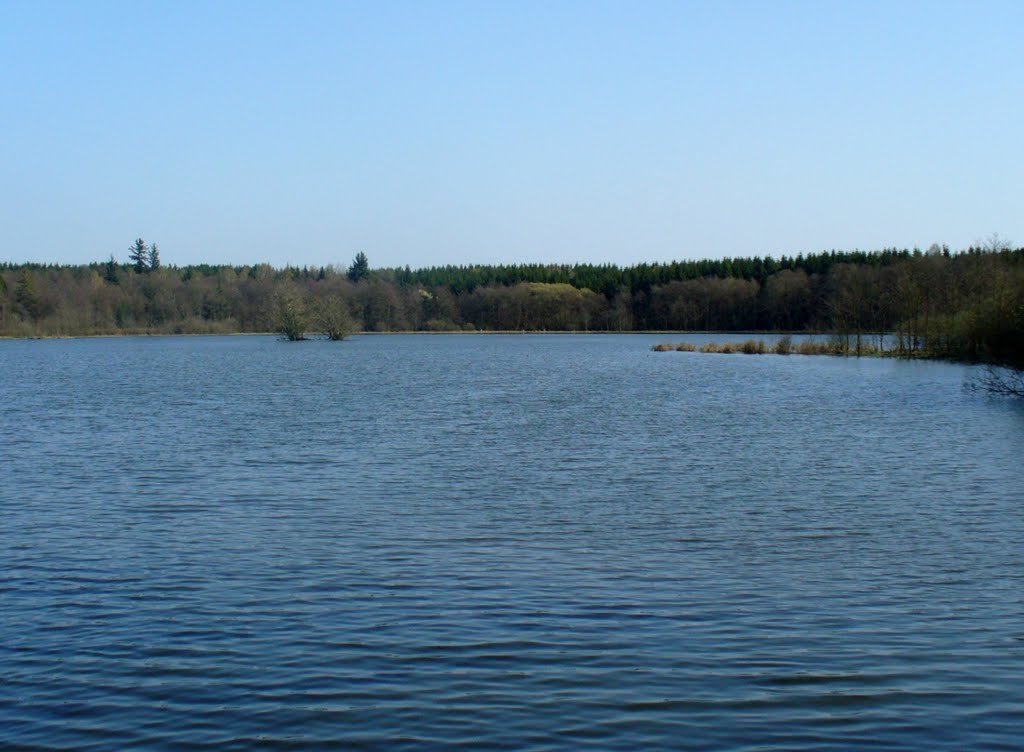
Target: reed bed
(816, 348)
(782, 346)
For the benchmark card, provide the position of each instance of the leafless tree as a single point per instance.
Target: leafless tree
(1002, 382)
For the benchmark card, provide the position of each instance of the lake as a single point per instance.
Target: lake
(545, 542)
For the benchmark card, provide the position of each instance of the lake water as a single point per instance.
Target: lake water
(503, 542)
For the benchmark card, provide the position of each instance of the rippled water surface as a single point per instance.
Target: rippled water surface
(503, 542)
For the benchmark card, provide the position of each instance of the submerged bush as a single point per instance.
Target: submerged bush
(291, 320)
(333, 318)
(1000, 381)
(681, 347)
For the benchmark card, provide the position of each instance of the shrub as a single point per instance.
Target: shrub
(440, 325)
(333, 318)
(291, 319)
(784, 346)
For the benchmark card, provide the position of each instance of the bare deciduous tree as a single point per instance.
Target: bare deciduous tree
(1002, 382)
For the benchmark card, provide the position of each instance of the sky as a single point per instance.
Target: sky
(431, 133)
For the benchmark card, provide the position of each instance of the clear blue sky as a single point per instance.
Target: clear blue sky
(480, 132)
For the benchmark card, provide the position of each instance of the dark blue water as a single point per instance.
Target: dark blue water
(503, 542)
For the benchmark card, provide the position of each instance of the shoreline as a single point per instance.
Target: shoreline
(507, 332)
(753, 347)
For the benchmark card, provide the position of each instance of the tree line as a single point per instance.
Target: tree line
(966, 304)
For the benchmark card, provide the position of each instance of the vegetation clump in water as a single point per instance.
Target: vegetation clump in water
(783, 346)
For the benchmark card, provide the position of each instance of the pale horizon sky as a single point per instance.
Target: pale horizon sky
(431, 133)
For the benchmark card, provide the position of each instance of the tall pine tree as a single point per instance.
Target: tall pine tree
(110, 273)
(138, 254)
(360, 268)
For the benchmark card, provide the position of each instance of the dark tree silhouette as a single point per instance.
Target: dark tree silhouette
(360, 268)
(138, 254)
(110, 273)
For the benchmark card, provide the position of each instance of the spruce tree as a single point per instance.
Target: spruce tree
(360, 268)
(138, 254)
(110, 271)
(154, 258)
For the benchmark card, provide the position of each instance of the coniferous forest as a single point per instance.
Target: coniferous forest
(967, 304)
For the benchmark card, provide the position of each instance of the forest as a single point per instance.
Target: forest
(966, 304)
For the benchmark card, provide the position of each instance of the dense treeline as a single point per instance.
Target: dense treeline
(609, 279)
(968, 304)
